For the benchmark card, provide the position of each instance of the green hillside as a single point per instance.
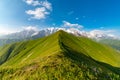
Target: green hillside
(60, 56)
(114, 43)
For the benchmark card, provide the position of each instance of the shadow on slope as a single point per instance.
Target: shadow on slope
(80, 57)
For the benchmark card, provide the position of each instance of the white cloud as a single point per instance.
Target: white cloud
(43, 3)
(32, 2)
(71, 25)
(102, 33)
(38, 13)
(6, 29)
(31, 28)
(47, 5)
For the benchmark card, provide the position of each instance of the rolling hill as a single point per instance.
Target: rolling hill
(60, 56)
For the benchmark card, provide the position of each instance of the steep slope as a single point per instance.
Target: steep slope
(92, 49)
(59, 56)
(30, 49)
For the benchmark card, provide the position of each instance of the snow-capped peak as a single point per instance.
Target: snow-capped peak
(35, 33)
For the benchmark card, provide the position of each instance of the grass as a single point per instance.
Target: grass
(115, 43)
(60, 56)
(92, 49)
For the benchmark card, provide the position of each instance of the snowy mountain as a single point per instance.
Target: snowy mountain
(26, 33)
(33, 33)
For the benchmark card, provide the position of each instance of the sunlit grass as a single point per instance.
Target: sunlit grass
(60, 56)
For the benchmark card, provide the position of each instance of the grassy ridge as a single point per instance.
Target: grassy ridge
(92, 49)
(30, 50)
(60, 56)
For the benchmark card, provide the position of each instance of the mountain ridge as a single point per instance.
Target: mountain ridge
(57, 53)
(60, 39)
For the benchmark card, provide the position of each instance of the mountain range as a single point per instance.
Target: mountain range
(59, 56)
(28, 34)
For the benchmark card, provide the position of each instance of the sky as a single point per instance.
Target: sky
(88, 15)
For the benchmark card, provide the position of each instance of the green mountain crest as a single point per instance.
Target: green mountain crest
(60, 56)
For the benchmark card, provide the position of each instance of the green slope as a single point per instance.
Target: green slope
(92, 49)
(24, 51)
(59, 56)
(115, 43)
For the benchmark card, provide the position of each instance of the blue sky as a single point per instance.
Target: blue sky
(91, 14)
